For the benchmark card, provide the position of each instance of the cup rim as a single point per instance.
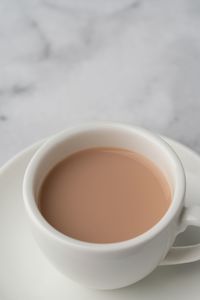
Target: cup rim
(36, 216)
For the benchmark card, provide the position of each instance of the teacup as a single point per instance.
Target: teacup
(113, 265)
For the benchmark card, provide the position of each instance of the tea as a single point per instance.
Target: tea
(104, 195)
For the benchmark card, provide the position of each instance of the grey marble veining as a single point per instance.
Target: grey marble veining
(58, 67)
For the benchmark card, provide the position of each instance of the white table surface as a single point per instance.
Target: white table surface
(57, 68)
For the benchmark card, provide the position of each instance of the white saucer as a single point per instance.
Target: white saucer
(25, 274)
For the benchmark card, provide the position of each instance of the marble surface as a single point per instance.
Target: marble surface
(59, 67)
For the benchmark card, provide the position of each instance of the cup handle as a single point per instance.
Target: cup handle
(190, 217)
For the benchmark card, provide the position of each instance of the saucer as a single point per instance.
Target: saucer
(25, 274)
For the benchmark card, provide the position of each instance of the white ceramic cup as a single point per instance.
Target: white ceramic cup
(114, 265)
